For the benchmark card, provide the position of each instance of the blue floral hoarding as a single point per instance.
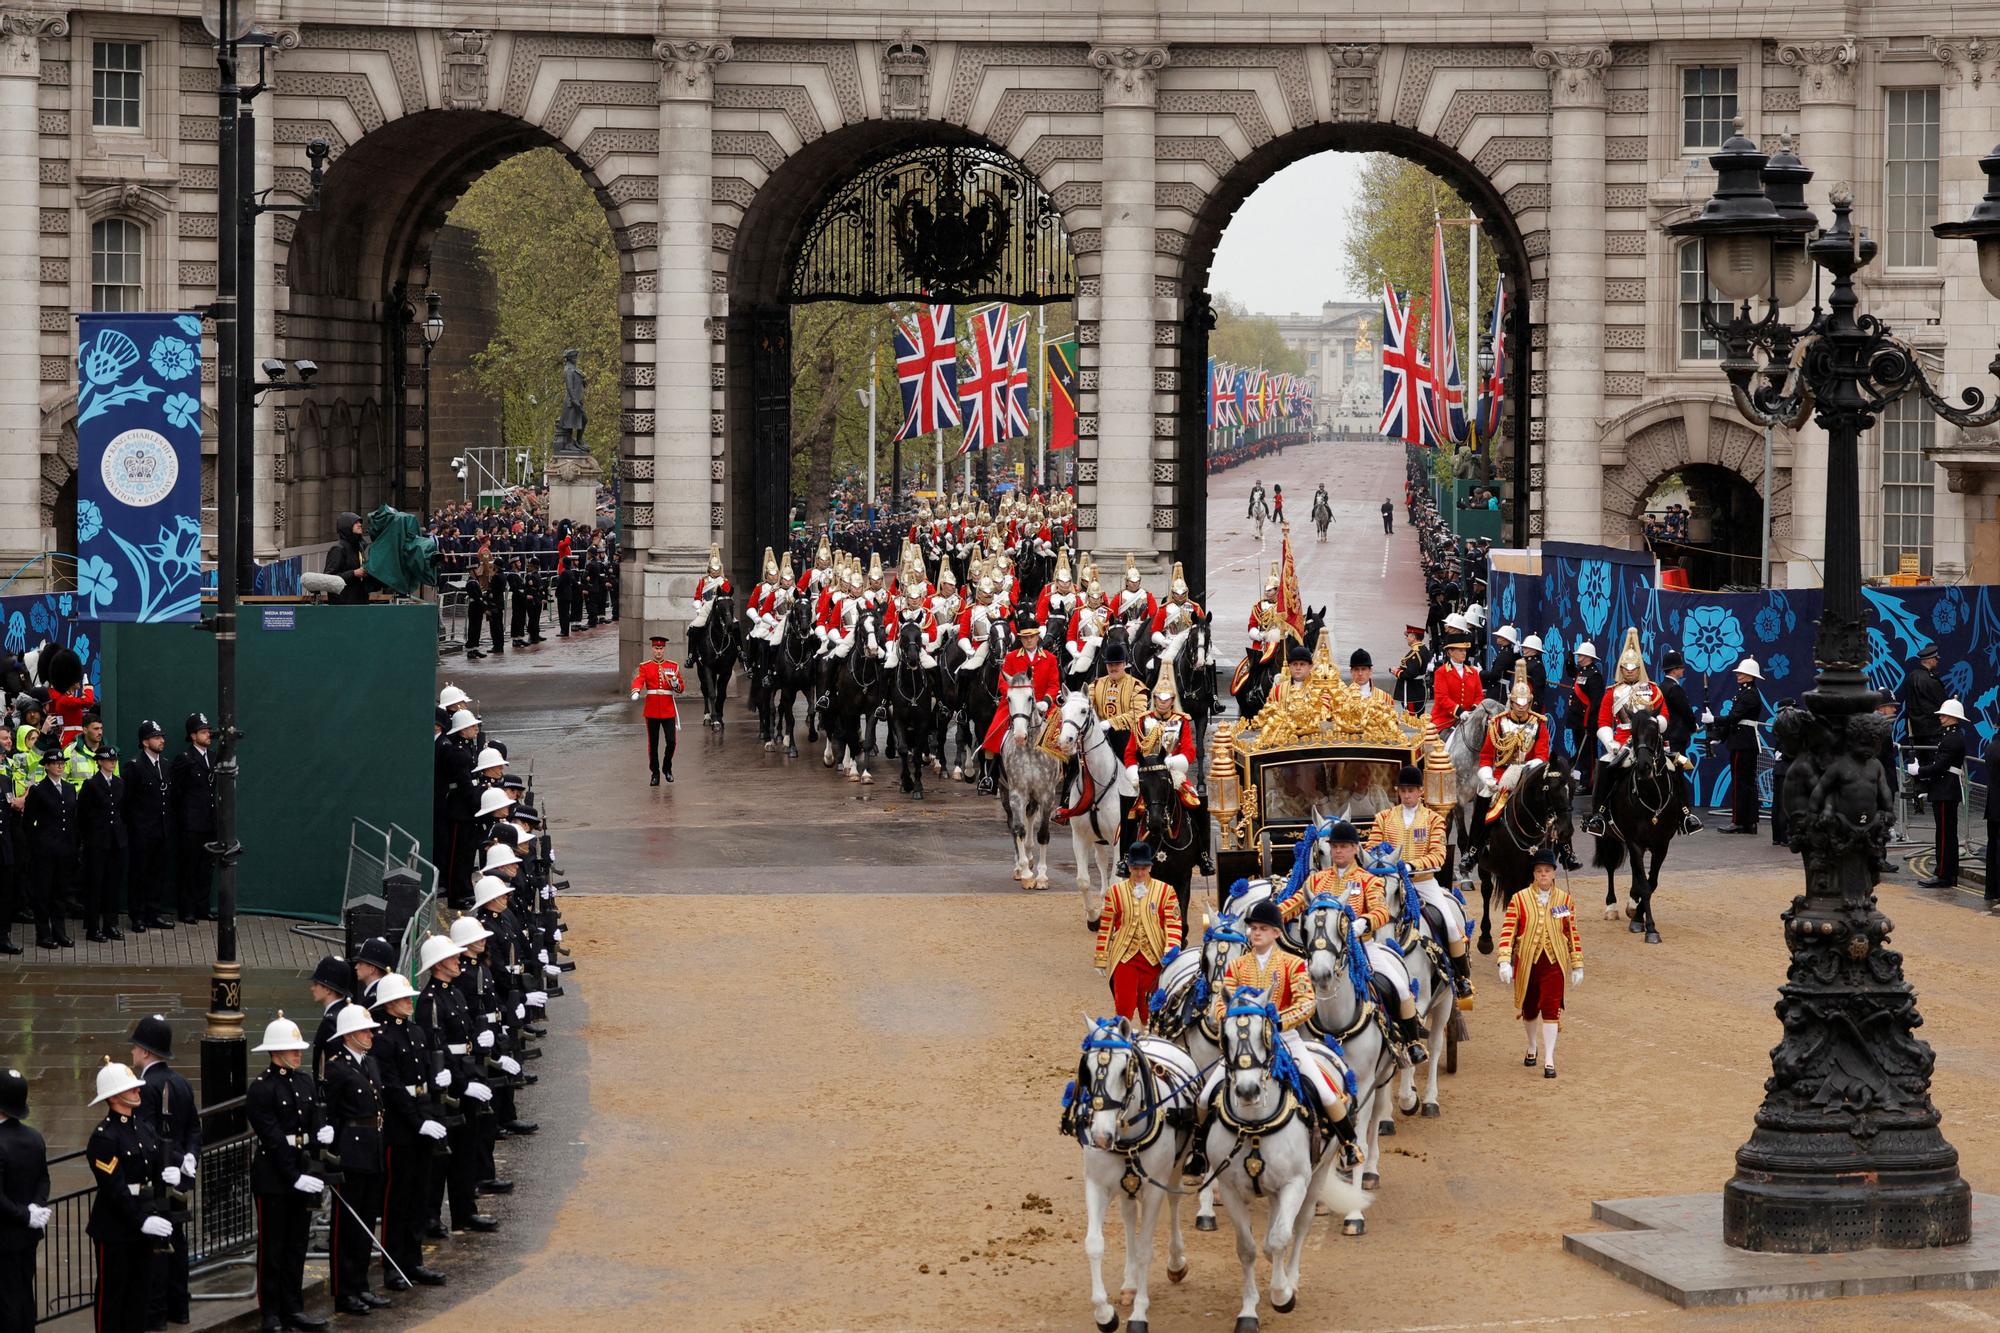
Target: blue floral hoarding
(138, 445)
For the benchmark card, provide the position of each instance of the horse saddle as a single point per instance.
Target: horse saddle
(1434, 919)
(1384, 991)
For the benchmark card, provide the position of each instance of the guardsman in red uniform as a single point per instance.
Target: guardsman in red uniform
(1027, 661)
(1515, 741)
(1267, 630)
(712, 584)
(657, 682)
(1174, 618)
(1630, 692)
(1455, 686)
(1167, 730)
(1138, 929)
(812, 581)
(1059, 598)
(1133, 603)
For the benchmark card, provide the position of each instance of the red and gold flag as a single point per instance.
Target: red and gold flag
(1291, 606)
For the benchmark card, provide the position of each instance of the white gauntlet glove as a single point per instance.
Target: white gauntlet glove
(431, 1129)
(510, 1064)
(325, 1136)
(485, 1040)
(551, 970)
(159, 1228)
(1485, 781)
(538, 998)
(443, 1079)
(172, 1175)
(1506, 974)
(308, 1184)
(479, 1092)
(187, 1165)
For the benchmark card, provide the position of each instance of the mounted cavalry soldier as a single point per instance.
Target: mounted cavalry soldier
(1362, 894)
(1060, 597)
(944, 602)
(1455, 685)
(1166, 729)
(1418, 834)
(1413, 672)
(1175, 619)
(1087, 628)
(1632, 692)
(1267, 628)
(1026, 663)
(1134, 605)
(815, 580)
(765, 609)
(1516, 741)
(1138, 933)
(911, 604)
(1119, 698)
(711, 585)
(974, 624)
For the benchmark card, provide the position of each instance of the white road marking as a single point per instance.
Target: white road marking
(1961, 1313)
(1544, 1321)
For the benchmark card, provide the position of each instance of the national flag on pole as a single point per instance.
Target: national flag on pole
(1447, 388)
(1291, 606)
(927, 370)
(1017, 381)
(982, 392)
(1221, 395)
(1060, 365)
(1403, 372)
(1493, 392)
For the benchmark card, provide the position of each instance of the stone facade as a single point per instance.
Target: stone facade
(1342, 346)
(708, 140)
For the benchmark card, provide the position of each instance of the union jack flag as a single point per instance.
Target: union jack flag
(1221, 394)
(1446, 422)
(1240, 388)
(927, 370)
(1017, 380)
(982, 396)
(1405, 374)
(1493, 392)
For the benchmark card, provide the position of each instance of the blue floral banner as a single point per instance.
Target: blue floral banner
(1596, 594)
(138, 466)
(30, 620)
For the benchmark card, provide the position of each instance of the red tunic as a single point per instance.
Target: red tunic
(1159, 625)
(1183, 743)
(1539, 750)
(1041, 669)
(657, 683)
(1454, 689)
(1621, 727)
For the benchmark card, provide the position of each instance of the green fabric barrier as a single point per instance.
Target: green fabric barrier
(336, 704)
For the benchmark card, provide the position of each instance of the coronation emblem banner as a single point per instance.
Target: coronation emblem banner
(138, 466)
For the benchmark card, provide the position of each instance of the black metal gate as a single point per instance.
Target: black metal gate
(770, 427)
(1191, 453)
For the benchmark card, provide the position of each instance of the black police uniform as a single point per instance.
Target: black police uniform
(1738, 724)
(282, 1107)
(166, 1105)
(1938, 778)
(191, 796)
(100, 809)
(125, 1161)
(353, 1106)
(148, 820)
(403, 1057)
(24, 1180)
(49, 817)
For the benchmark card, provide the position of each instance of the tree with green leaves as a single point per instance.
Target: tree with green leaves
(1244, 339)
(544, 235)
(1389, 240)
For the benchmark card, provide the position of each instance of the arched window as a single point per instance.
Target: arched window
(117, 265)
(1697, 345)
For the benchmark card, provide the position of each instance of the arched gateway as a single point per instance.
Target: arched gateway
(712, 149)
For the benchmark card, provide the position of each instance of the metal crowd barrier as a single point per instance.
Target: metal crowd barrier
(221, 1234)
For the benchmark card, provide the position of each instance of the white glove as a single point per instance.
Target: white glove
(479, 1092)
(551, 970)
(443, 1079)
(308, 1184)
(1132, 775)
(1513, 777)
(1506, 974)
(325, 1135)
(431, 1129)
(1607, 738)
(539, 998)
(38, 1216)
(542, 956)
(485, 1040)
(1360, 926)
(1913, 766)
(1485, 781)
(510, 1064)
(187, 1165)
(1706, 717)
(1104, 726)
(558, 934)
(159, 1228)
(635, 696)
(520, 1011)
(1576, 977)
(172, 1175)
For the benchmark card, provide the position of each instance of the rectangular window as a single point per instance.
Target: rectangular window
(1908, 480)
(114, 84)
(1697, 345)
(1910, 177)
(117, 265)
(1708, 105)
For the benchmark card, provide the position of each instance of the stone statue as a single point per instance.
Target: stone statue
(569, 426)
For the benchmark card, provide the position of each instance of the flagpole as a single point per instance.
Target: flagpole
(1472, 332)
(1042, 401)
(938, 436)
(873, 370)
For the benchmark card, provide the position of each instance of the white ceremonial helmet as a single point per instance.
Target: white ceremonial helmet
(485, 889)
(452, 696)
(1748, 667)
(114, 1079)
(353, 1018)
(461, 721)
(467, 930)
(1952, 708)
(493, 800)
(394, 986)
(489, 758)
(435, 949)
(499, 855)
(1532, 642)
(1585, 649)
(282, 1034)
(1509, 633)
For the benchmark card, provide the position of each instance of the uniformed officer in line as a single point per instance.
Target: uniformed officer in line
(191, 798)
(166, 1105)
(24, 1198)
(14, 898)
(412, 1134)
(48, 817)
(282, 1107)
(498, 988)
(147, 822)
(351, 1095)
(442, 1012)
(375, 959)
(128, 1216)
(100, 812)
(332, 988)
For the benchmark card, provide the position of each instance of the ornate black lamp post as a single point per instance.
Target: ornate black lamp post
(1846, 1153)
(433, 329)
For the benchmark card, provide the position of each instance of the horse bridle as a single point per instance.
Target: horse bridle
(1088, 734)
(1155, 766)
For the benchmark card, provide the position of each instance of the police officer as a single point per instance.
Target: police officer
(24, 1197)
(100, 810)
(49, 820)
(191, 796)
(332, 989)
(1922, 695)
(1938, 777)
(352, 1096)
(282, 1107)
(1738, 725)
(128, 1216)
(147, 822)
(442, 1012)
(411, 1132)
(374, 960)
(166, 1105)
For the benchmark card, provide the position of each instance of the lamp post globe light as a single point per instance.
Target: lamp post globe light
(1846, 1153)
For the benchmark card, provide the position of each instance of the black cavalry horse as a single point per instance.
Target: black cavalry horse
(788, 673)
(1642, 812)
(1256, 686)
(1159, 817)
(715, 648)
(1537, 814)
(858, 684)
(1197, 686)
(912, 706)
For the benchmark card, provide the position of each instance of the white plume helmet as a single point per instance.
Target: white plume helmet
(282, 1034)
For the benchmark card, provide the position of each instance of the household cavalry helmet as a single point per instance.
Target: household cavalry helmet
(824, 558)
(1179, 584)
(1631, 661)
(715, 559)
(1522, 696)
(1062, 567)
(785, 575)
(770, 565)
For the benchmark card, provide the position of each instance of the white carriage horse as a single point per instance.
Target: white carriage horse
(1092, 795)
(1131, 1110)
(1410, 937)
(1032, 784)
(1347, 1015)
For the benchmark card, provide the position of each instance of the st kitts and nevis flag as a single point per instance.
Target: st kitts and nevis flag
(1447, 419)
(927, 370)
(983, 391)
(1405, 373)
(1493, 392)
(1059, 356)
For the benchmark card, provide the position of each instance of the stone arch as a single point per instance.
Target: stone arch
(1666, 435)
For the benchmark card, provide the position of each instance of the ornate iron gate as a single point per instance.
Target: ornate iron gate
(770, 427)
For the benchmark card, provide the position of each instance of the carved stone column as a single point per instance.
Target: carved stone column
(21, 33)
(665, 555)
(1572, 494)
(1125, 322)
(1826, 144)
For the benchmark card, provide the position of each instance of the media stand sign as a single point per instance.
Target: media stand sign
(280, 617)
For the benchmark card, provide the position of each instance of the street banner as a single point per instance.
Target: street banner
(138, 466)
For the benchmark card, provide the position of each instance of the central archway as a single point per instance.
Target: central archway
(1250, 172)
(807, 235)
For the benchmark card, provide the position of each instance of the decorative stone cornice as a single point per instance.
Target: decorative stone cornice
(1962, 57)
(1576, 74)
(21, 33)
(689, 74)
(284, 36)
(1131, 73)
(1356, 90)
(1825, 68)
